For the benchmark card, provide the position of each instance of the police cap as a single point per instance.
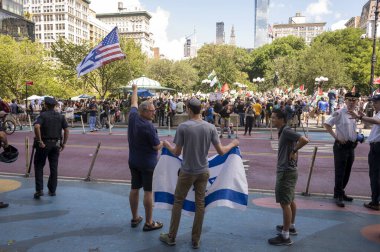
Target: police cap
(375, 98)
(50, 101)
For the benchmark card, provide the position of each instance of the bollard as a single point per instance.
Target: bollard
(30, 123)
(169, 133)
(310, 172)
(109, 125)
(81, 119)
(92, 163)
(271, 130)
(26, 156)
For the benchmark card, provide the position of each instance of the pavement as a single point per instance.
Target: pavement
(95, 215)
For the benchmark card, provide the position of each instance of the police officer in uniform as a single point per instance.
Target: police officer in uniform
(345, 136)
(374, 152)
(48, 143)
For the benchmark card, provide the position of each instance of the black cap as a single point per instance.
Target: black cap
(50, 101)
(351, 95)
(375, 98)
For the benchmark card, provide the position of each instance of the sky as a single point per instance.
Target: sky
(173, 20)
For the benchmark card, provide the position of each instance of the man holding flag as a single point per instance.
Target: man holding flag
(106, 52)
(194, 137)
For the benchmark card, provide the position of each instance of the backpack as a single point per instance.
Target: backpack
(250, 110)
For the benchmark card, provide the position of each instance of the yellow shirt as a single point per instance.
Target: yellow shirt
(258, 108)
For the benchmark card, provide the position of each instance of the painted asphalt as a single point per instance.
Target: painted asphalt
(94, 216)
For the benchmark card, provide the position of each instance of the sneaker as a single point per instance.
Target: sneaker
(292, 231)
(38, 194)
(279, 240)
(3, 205)
(165, 238)
(52, 194)
(195, 244)
(372, 206)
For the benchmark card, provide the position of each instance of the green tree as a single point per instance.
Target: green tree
(105, 79)
(19, 62)
(179, 75)
(228, 62)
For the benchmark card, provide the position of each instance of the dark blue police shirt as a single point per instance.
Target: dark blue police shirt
(142, 136)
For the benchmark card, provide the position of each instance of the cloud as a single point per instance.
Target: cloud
(339, 25)
(172, 49)
(318, 9)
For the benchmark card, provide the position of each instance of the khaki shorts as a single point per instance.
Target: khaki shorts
(285, 185)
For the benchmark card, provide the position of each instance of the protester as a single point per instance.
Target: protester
(374, 152)
(193, 138)
(322, 106)
(344, 146)
(93, 109)
(249, 117)
(289, 142)
(143, 151)
(49, 143)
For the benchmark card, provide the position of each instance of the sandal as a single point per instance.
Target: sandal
(155, 225)
(135, 223)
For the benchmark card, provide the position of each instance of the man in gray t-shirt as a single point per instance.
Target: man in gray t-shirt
(289, 142)
(193, 139)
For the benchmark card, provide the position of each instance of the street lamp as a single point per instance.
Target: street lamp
(319, 81)
(373, 62)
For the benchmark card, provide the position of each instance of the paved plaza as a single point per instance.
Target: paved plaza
(95, 215)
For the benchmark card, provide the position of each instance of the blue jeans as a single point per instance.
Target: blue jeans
(92, 121)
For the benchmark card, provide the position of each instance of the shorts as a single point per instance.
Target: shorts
(141, 178)
(285, 185)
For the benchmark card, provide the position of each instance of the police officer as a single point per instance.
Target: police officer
(345, 136)
(374, 152)
(48, 143)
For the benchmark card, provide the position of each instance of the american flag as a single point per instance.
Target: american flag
(107, 51)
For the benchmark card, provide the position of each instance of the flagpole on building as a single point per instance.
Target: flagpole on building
(373, 62)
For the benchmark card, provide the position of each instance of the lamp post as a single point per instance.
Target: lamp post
(373, 62)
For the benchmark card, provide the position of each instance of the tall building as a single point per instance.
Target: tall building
(12, 21)
(261, 22)
(353, 22)
(220, 33)
(190, 47)
(367, 19)
(298, 27)
(133, 24)
(59, 18)
(98, 29)
(233, 37)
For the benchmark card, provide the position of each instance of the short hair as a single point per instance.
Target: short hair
(144, 105)
(280, 114)
(194, 105)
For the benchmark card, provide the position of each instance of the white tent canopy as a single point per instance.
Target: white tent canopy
(146, 83)
(35, 97)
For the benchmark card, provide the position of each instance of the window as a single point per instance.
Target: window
(49, 36)
(60, 26)
(48, 27)
(60, 17)
(59, 8)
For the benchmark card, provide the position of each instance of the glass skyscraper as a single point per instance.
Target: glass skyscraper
(220, 33)
(261, 22)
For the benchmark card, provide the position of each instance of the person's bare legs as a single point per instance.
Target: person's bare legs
(134, 203)
(148, 205)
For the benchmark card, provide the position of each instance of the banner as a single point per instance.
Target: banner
(227, 184)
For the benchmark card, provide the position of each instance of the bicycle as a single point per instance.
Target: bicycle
(8, 125)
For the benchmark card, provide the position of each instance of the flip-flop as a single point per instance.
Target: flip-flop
(154, 226)
(135, 223)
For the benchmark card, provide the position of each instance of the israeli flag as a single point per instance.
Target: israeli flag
(227, 184)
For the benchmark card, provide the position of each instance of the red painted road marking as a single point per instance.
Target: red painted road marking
(371, 233)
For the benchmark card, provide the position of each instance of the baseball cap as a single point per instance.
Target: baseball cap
(351, 95)
(50, 101)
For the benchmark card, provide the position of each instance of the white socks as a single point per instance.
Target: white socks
(285, 234)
